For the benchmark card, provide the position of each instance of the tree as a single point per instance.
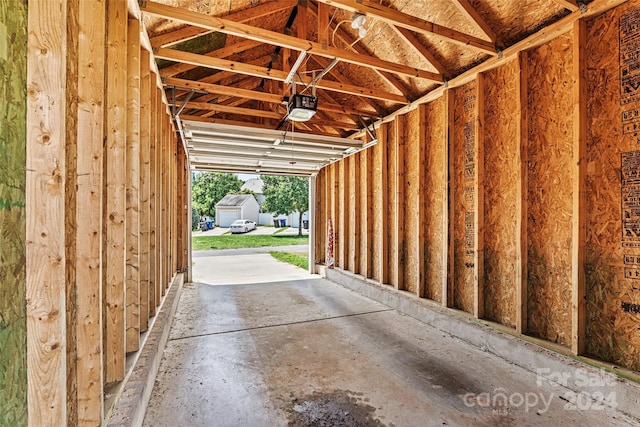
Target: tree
(285, 195)
(209, 188)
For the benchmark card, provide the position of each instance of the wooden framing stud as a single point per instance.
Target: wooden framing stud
(578, 298)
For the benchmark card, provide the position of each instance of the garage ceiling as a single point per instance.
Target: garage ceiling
(230, 65)
(229, 148)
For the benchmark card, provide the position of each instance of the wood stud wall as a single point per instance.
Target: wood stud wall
(502, 197)
(105, 222)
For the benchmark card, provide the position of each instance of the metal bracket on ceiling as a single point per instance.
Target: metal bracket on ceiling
(583, 6)
(371, 131)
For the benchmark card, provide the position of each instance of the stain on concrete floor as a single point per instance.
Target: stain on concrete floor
(337, 409)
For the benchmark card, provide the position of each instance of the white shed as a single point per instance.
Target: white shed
(236, 206)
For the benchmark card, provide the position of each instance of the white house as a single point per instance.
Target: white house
(255, 185)
(236, 206)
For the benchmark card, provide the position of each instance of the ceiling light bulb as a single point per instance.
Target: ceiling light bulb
(358, 20)
(362, 32)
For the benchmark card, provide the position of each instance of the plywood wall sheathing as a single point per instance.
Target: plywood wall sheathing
(343, 214)
(410, 214)
(448, 286)
(435, 200)
(13, 134)
(115, 200)
(522, 214)
(465, 195)
(550, 158)
(422, 202)
(363, 183)
(354, 212)
(502, 182)
(612, 261)
(392, 171)
(363, 217)
(380, 204)
(132, 188)
(89, 219)
(370, 216)
(333, 207)
(478, 205)
(13, 334)
(578, 303)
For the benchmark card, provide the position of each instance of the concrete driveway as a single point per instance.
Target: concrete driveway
(256, 342)
(260, 230)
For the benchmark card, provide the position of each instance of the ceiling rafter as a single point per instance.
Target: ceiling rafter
(257, 71)
(471, 13)
(218, 108)
(223, 90)
(257, 12)
(222, 53)
(271, 37)
(568, 4)
(234, 91)
(413, 23)
(221, 76)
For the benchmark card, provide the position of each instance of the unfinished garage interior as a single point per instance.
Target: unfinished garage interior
(479, 158)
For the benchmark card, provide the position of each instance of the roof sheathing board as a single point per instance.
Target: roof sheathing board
(513, 21)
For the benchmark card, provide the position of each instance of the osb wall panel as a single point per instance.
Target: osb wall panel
(464, 195)
(364, 238)
(392, 188)
(612, 187)
(13, 110)
(435, 195)
(354, 213)
(343, 212)
(410, 214)
(377, 208)
(549, 225)
(335, 186)
(501, 178)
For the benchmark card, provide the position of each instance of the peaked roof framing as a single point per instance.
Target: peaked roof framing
(244, 80)
(265, 36)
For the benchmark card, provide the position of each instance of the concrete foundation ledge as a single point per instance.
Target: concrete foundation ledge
(592, 386)
(131, 403)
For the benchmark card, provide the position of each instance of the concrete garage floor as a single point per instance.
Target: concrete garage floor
(248, 348)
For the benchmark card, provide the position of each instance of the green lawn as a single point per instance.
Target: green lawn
(234, 241)
(298, 259)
